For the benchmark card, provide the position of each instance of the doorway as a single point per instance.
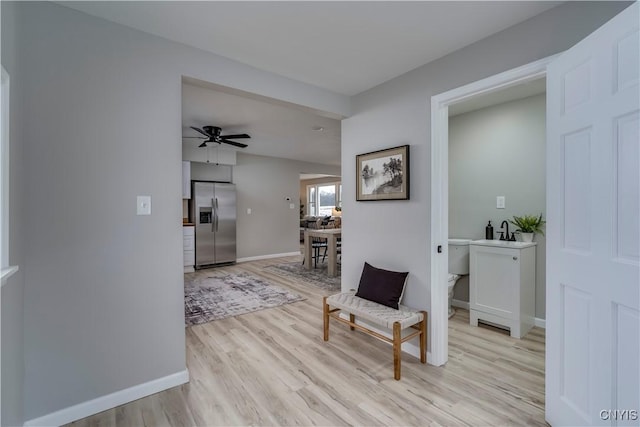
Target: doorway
(440, 189)
(320, 203)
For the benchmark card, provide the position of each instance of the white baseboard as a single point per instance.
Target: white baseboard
(460, 304)
(91, 407)
(541, 323)
(259, 257)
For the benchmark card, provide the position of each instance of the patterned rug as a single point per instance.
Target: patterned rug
(316, 276)
(209, 296)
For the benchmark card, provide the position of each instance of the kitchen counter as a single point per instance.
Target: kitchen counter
(188, 224)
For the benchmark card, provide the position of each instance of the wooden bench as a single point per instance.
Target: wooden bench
(380, 315)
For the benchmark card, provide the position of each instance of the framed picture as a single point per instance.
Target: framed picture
(383, 175)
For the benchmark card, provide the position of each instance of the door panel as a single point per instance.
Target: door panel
(577, 198)
(626, 331)
(225, 195)
(495, 281)
(576, 343)
(202, 196)
(627, 188)
(593, 206)
(626, 62)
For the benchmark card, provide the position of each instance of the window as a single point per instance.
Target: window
(323, 198)
(311, 199)
(327, 199)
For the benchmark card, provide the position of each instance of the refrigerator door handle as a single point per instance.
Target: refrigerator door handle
(217, 218)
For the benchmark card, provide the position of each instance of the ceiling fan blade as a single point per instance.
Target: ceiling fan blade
(238, 136)
(200, 131)
(193, 137)
(236, 144)
(204, 144)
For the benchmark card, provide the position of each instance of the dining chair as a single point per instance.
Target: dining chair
(318, 243)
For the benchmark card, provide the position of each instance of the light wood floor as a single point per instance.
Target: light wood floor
(272, 367)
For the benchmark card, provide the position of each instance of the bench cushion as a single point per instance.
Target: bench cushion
(374, 312)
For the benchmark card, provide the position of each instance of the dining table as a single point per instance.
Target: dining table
(332, 235)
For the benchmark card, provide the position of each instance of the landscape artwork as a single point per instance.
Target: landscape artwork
(383, 175)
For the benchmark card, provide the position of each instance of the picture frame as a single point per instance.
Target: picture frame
(383, 175)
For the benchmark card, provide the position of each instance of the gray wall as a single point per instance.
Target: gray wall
(12, 324)
(104, 287)
(498, 151)
(262, 184)
(395, 234)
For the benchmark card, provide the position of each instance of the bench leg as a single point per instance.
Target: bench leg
(352, 319)
(423, 338)
(325, 316)
(397, 349)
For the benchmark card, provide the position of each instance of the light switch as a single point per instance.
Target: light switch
(500, 202)
(292, 206)
(144, 205)
(248, 211)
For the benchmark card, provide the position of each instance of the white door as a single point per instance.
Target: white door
(593, 234)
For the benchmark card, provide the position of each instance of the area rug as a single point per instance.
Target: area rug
(209, 296)
(316, 276)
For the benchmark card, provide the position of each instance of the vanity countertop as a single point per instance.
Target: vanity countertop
(503, 244)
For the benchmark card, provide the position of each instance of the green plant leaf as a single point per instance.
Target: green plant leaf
(529, 223)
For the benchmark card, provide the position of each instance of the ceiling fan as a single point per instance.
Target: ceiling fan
(212, 134)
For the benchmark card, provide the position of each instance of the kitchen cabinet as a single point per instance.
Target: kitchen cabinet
(189, 248)
(210, 155)
(186, 180)
(502, 278)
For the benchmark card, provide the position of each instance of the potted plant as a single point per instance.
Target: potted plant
(528, 225)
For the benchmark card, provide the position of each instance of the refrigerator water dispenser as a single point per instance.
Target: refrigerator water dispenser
(205, 215)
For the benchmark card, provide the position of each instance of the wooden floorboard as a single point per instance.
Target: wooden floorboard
(271, 367)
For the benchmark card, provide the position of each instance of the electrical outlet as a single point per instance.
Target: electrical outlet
(500, 202)
(248, 211)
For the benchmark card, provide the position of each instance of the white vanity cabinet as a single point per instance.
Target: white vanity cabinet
(502, 281)
(189, 248)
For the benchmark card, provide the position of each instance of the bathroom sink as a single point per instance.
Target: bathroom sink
(503, 243)
(459, 241)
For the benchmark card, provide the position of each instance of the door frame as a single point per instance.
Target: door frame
(439, 226)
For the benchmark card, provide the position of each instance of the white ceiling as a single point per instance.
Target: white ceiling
(276, 130)
(345, 47)
(521, 91)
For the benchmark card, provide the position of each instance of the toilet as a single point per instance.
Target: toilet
(458, 265)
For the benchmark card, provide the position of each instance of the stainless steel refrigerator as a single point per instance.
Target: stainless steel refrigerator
(213, 206)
